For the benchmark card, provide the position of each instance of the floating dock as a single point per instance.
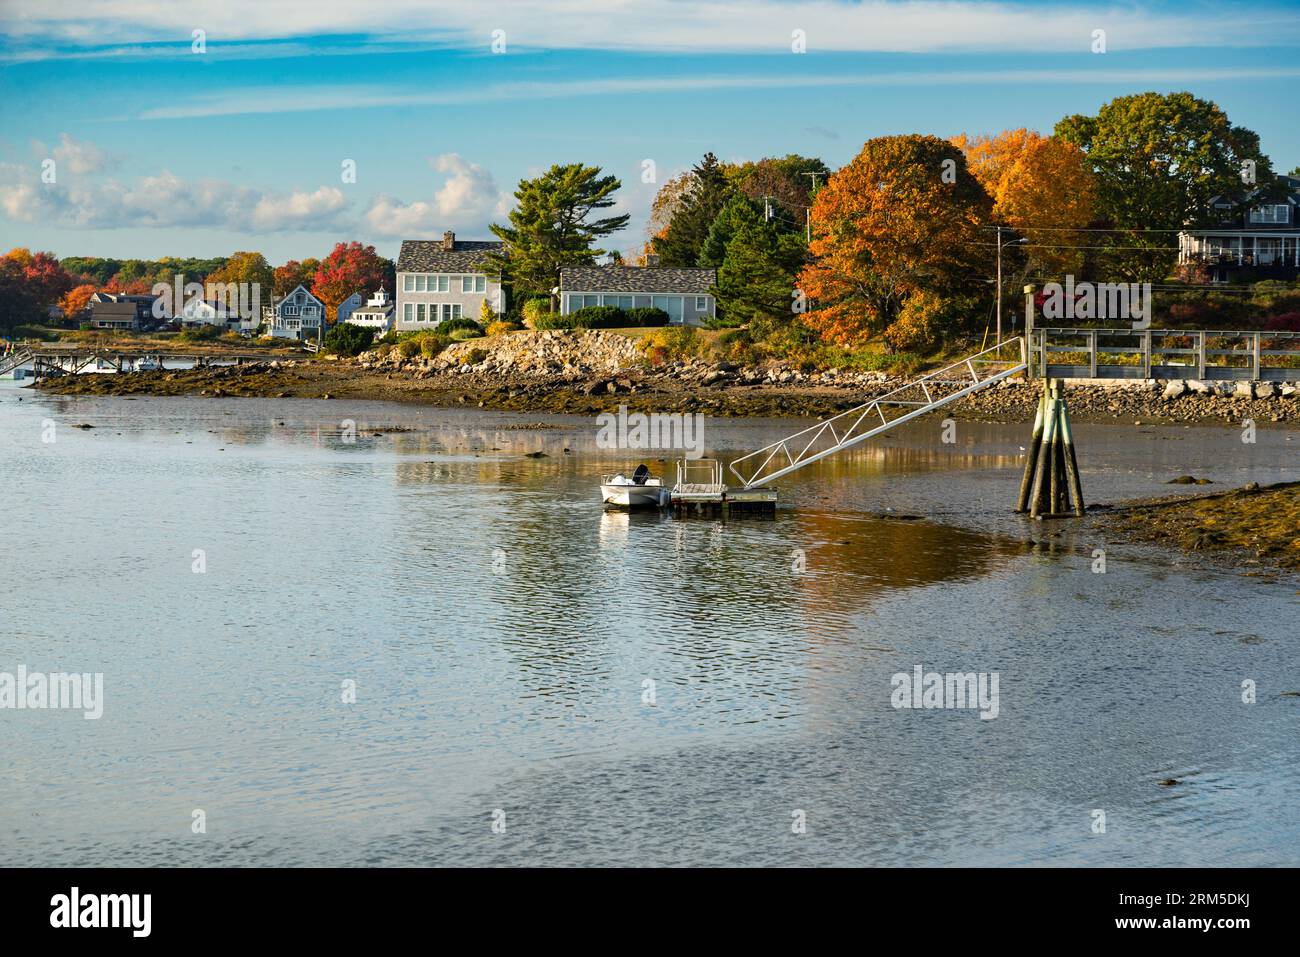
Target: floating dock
(701, 491)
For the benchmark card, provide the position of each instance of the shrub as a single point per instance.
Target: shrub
(432, 343)
(200, 333)
(646, 316)
(1285, 322)
(473, 357)
(919, 323)
(535, 311)
(553, 320)
(501, 327)
(408, 348)
(448, 326)
(345, 339)
(669, 343)
(599, 317)
(385, 349)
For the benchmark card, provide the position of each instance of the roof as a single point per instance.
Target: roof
(115, 308)
(643, 279)
(276, 300)
(383, 310)
(427, 255)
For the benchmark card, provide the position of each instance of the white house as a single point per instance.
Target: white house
(376, 314)
(1264, 241)
(686, 294)
(445, 279)
(299, 315)
(347, 305)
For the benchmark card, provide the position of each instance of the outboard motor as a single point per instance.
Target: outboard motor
(640, 475)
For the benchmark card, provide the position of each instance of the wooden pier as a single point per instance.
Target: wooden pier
(56, 361)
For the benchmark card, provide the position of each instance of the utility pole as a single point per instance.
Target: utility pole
(999, 308)
(807, 210)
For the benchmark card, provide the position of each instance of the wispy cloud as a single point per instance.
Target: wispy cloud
(250, 100)
(912, 26)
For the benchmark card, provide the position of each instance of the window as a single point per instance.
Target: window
(408, 310)
(444, 283)
(701, 303)
(1270, 214)
(480, 283)
(419, 312)
(455, 310)
(408, 283)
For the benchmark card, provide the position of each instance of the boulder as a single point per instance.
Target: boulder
(1174, 388)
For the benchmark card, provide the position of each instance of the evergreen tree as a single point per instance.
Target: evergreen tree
(683, 240)
(551, 226)
(756, 279)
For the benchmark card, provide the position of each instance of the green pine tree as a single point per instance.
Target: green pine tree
(684, 238)
(551, 226)
(756, 279)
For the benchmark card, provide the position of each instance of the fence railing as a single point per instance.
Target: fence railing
(1205, 354)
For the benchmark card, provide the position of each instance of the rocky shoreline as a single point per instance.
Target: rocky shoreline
(595, 371)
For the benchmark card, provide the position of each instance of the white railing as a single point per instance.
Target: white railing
(860, 423)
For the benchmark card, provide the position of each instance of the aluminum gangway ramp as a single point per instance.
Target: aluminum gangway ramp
(15, 359)
(925, 394)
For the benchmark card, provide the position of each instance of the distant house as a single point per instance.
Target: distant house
(1265, 240)
(376, 314)
(445, 279)
(684, 293)
(347, 305)
(112, 310)
(214, 312)
(298, 315)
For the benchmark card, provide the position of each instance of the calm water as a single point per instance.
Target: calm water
(513, 679)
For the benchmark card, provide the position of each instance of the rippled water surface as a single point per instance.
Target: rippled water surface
(501, 630)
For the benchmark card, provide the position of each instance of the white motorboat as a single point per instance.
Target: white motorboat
(147, 364)
(639, 490)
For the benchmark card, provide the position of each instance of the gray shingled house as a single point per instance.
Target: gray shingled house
(686, 294)
(445, 279)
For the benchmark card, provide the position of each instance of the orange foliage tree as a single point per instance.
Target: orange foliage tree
(902, 218)
(76, 299)
(1041, 187)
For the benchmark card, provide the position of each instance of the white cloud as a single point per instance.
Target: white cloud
(165, 200)
(293, 99)
(468, 199)
(298, 210)
(701, 25)
(72, 156)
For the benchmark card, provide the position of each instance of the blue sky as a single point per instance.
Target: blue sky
(161, 150)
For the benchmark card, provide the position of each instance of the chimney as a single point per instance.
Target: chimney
(448, 241)
(652, 259)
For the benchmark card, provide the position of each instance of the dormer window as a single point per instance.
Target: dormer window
(1277, 214)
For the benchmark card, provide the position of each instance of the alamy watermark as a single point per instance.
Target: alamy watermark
(951, 690)
(680, 431)
(36, 690)
(227, 300)
(1105, 300)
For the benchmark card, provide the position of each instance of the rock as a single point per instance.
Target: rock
(1189, 480)
(1200, 388)
(1244, 390)
(1174, 389)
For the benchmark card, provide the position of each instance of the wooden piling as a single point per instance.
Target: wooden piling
(1071, 463)
(1031, 457)
(1050, 486)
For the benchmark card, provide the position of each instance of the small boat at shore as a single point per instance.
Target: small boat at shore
(640, 490)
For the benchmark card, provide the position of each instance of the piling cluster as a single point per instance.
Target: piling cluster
(1050, 487)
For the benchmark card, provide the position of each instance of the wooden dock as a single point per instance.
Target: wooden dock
(713, 497)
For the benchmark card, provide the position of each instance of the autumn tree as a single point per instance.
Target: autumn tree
(902, 218)
(293, 274)
(668, 202)
(1042, 188)
(786, 182)
(681, 242)
(76, 299)
(245, 267)
(1159, 160)
(555, 224)
(349, 268)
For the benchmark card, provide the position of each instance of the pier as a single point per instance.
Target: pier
(56, 361)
